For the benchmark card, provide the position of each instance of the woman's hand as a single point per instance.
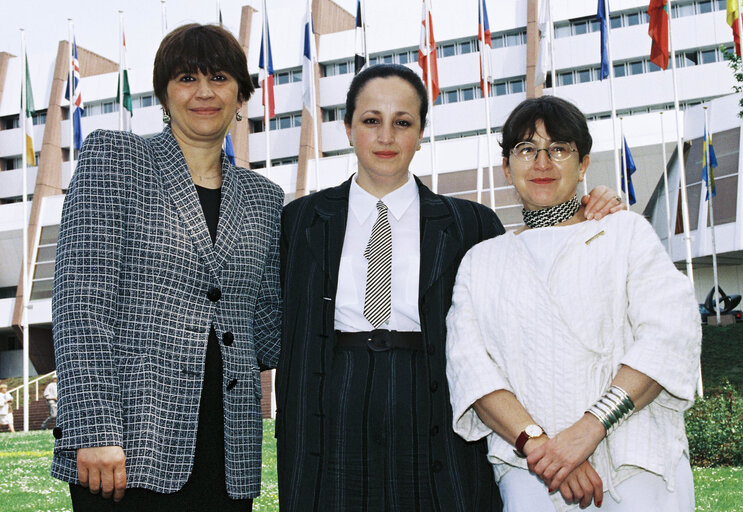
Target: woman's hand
(556, 458)
(582, 486)
(102, 469)
(600, 202)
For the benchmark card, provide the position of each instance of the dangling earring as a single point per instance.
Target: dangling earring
(166, 116)
(419, 146)
(350, 143)
(238, 116)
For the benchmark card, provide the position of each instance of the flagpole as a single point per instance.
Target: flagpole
(363, 29)
(71, 89)
(611, 93)
(479, 173)
(552, 50)
(708, 161)
(24, 168)
(163, 18)
(434, 175)
(740, 29)
(680, 152)
(485, 69)
(313, 93)
(665, 182)
(266, 106)
(121, 71)
(219, 22)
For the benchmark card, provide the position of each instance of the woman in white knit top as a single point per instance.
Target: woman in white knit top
(575, 342)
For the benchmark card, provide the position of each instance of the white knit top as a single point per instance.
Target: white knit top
(612, 297)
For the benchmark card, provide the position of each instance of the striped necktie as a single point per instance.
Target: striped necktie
(378, 253)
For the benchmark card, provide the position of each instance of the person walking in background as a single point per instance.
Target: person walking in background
(166, 299)
(6, 407)
(50, 394)
(574, 341)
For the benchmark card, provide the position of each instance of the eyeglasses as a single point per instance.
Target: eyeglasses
(557, 151)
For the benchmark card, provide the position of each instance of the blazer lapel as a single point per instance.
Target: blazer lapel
(171, 164)
(230, 213)
(439, 249)
(325, 236)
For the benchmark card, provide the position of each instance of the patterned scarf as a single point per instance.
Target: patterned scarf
(551, 215)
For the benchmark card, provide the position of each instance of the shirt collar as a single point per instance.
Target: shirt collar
(363, 204)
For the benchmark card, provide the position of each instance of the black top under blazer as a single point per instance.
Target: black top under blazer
(137, 285)
(313, 230)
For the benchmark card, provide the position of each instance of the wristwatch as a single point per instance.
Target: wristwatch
(530, 432)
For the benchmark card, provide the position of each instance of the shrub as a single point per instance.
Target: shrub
(714, 426)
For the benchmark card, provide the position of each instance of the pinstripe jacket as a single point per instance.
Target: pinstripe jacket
(137, 285)
(313, 230)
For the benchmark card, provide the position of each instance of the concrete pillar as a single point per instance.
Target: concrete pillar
(241, 130)
(49, 176)
(327, 17)
(532, 48)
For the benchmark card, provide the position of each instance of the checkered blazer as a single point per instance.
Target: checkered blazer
(133, 301)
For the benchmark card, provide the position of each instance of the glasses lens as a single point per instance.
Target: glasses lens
(560, 151)
(525, 151)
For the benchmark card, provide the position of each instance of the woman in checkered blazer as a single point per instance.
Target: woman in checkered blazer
(166, 299)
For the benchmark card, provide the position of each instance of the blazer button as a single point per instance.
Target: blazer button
(214, 294)
(231, 384)
(57, 432)
(425, 309)
(434, 386)
(434, 430)
(437, 466)
(228, 338)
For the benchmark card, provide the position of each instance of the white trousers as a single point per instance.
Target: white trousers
(522, 491)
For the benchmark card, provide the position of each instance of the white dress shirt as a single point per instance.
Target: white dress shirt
(404, 218)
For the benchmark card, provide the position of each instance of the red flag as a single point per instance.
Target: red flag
(426, 50)
(732, 19)
(658, 32)
(485, 42)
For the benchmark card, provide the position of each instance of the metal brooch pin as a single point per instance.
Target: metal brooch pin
(594, 237)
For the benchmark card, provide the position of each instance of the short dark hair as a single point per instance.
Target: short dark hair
(385, 71)
(206, 48)
(563, 121)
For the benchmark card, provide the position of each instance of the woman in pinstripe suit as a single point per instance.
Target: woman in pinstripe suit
(363, 420)
(166, 299)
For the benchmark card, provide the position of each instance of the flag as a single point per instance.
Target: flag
(630, 164)
(603, 18)
(486, 44)
(425, 51)
(308, 62)
(732, 17)
(266, 71)
(360, 40)
(28, 120)
(658, 32)
(76, 105)
(708, 172)
(229, 149)
(124, 79)
(544, 61)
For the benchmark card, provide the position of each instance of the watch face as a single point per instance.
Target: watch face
(534, 430)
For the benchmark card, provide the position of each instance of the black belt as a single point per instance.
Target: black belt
(380, 340)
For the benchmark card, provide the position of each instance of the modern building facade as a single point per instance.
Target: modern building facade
(643, 96)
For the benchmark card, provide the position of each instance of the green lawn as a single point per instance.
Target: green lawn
(27, 487)
(25, 458)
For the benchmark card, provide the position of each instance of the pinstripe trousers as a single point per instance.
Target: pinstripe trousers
(376, 425)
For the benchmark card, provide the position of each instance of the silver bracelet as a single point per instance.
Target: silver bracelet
(613, 408)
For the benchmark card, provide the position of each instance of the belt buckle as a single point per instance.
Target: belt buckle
(379, 341)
